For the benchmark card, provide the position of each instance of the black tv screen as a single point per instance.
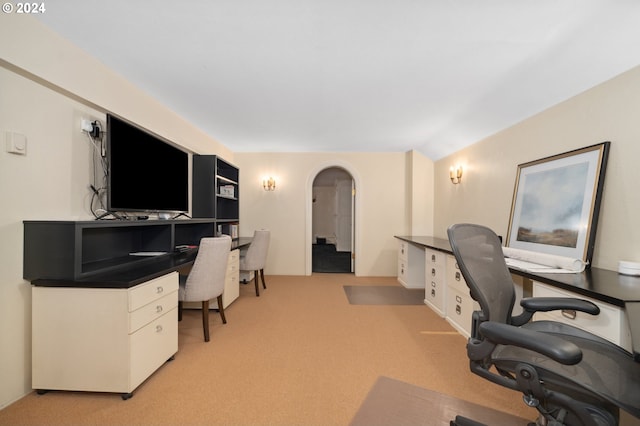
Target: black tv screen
(145, 173)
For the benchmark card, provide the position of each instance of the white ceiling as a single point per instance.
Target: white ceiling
(355, 75)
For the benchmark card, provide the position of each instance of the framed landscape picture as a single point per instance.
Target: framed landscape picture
(556, 201)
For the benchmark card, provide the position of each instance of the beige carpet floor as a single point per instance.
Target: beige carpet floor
(300, 354)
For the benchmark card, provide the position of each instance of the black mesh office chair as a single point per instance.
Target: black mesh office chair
(571, 376)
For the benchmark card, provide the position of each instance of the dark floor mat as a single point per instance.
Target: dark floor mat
(392, 402)
(383, 295)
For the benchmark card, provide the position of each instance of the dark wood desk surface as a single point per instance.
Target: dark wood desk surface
(142, 270)
(600, 284)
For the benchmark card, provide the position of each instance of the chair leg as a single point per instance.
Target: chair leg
(264, 285)
(255, 278)
(221, 310)
(180, 311)
(205, 319)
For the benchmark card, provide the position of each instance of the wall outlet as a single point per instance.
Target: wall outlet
(85, 125)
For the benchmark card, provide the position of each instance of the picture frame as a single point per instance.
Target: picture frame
(556, 203)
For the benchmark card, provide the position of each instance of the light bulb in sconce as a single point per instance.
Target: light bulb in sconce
(455, 174)
(269, 184)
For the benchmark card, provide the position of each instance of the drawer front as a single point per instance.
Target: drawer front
(608, 324)
(151, 311)
(460, 307)
(435, 258)
(152, 346)
(435, 273)
(454, 276)
(151, 290)
(234, 256)
(435, 295)
(402, 270)
(233, 265)
(403, 250)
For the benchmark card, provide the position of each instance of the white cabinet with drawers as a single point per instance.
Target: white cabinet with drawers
(460, 305)
(435, 280)
(231, 284)
(231, 281)
(611, 324)
(411, 265)
(103, 339)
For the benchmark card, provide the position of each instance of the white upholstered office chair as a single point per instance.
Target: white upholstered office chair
(255, 257)
(206, 278)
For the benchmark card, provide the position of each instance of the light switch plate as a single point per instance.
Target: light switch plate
(16, 143)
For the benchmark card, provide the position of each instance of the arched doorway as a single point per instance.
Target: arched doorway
(332, 221)
(356, 212)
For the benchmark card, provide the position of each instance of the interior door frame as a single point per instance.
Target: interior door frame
(357, 212)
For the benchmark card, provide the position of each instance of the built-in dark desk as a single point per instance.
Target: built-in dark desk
(600, 284)
(138, 272)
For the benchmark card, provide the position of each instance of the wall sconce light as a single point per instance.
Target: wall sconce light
(269, 184)
(455, 174)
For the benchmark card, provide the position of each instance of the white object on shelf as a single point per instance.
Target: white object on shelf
(227, 191)
(629, 268)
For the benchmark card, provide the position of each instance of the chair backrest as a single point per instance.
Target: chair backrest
(479, 255)
(256, 256)
(207, 277)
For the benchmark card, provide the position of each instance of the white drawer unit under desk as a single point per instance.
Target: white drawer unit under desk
(411, 265)
(611, 324)
(435, 278)
(103, 339)
(231, 284)
(460, 305)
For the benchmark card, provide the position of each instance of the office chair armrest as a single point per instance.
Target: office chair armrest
(545, 304)
(556, 348)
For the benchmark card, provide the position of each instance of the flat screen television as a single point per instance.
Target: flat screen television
(146, 173)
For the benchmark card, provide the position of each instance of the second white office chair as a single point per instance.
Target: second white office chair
(255, 257)
(206, 278)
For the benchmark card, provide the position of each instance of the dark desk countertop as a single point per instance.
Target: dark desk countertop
(142, 271)
(601, 284)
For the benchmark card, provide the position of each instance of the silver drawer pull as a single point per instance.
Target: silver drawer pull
(433, 292)
(458, 299)
(457, 276)
(458, 310)
(159, 308)
(433, 284)
(569, 313)
(159, 289)
(158, 329)
(433, 257)
(433, 272)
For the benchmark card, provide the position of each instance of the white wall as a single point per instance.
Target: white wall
(49, 182)
(380, 206)
(51, 60)
(608, 112)
(421, 200)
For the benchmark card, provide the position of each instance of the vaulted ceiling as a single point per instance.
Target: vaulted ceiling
(355, 75)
